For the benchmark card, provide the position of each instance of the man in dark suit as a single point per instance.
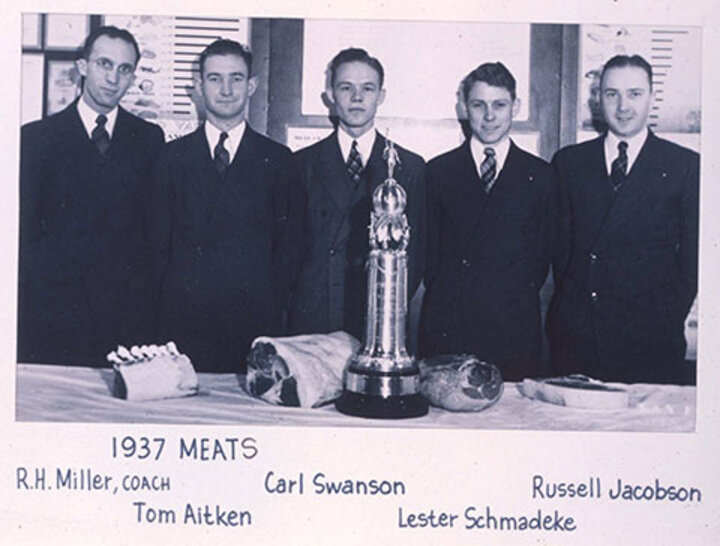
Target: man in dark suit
(230, 220)
(626, 271)
(340, 173)
(490, 214)
(85, 175)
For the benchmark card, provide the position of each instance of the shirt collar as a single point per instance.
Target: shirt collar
(501, 148)
(88, 116)
(635, 144)
(231, 143)
(365, 143)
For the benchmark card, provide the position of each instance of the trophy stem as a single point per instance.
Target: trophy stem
(381, 379)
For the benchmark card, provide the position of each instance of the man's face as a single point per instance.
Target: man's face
(490, 111)
(226, 86)
(108, 71)
(625, 98)
(356, 94)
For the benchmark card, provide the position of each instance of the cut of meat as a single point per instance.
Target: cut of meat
(577, 391)
(303, 371)
(460, 382)
(151, 372)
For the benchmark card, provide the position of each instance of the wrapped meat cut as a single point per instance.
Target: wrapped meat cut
(460, 382)
(303, 371)
(576, 391)
(152, 372)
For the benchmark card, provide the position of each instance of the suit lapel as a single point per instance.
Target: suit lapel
(220, 191)
(511, 182)
(464, 191)
(122, 143)
(639, 184)
(333, 173)
(73, 134)
(80, 163)
(122, 134)
(344, 193)
(595, 194)
(201, 178)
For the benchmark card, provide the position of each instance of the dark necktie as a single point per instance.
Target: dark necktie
(487, 169)
(618, 170)
(354, 163)
(100, 136)
(221, 155)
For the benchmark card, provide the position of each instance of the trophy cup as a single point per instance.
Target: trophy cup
(382, 380)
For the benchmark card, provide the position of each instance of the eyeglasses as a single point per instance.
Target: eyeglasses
(106, 65)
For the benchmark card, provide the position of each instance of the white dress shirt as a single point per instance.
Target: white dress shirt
(635, 144)
(231, 143)
(501, 148)
(88, 116)
(365, 143)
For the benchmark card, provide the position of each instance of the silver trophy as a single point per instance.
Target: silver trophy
(382, 380)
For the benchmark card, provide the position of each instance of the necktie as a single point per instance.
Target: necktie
(100, 136)
(618, 170)
(487, 169)
(354, 163)
(221, 156)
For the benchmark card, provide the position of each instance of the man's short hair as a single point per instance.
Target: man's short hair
(355, 54)
(495, 74)
(110, 32)
(621, 61)
(226, 47)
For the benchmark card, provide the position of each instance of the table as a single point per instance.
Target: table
(76, 394)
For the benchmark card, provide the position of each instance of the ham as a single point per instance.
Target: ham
(460, 382)
(303, 371)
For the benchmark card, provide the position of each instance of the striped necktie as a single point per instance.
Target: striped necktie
(354, 163)
(488, 169)
(100, 136)
(618, 169)
(221, 155)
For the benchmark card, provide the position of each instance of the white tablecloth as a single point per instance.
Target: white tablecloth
(76, 394)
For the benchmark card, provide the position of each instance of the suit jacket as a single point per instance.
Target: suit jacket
(488, 256)
(627, 265)
(229, 248)
(331, 292)
(85, 268)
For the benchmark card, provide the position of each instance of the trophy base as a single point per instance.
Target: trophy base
(379, 407)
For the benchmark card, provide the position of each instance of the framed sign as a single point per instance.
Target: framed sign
(63, 85)
(65, 32)
(31, 31)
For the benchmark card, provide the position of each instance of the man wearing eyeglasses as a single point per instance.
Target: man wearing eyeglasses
(85, 279)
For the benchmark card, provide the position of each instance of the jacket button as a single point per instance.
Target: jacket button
(594, 296)
(465, 263)
(332, 252)
(593, 257)
(199, 250)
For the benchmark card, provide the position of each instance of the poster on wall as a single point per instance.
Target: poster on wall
(669, 50)
(64, 31)
(31, 30)
(33, 67)
(163, 91)
(143, 449)
(63, 85)
(425, 86)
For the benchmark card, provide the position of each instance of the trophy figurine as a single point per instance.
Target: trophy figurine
(382, 380)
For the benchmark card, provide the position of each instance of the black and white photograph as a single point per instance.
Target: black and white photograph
(277, 268)
(447, 256)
